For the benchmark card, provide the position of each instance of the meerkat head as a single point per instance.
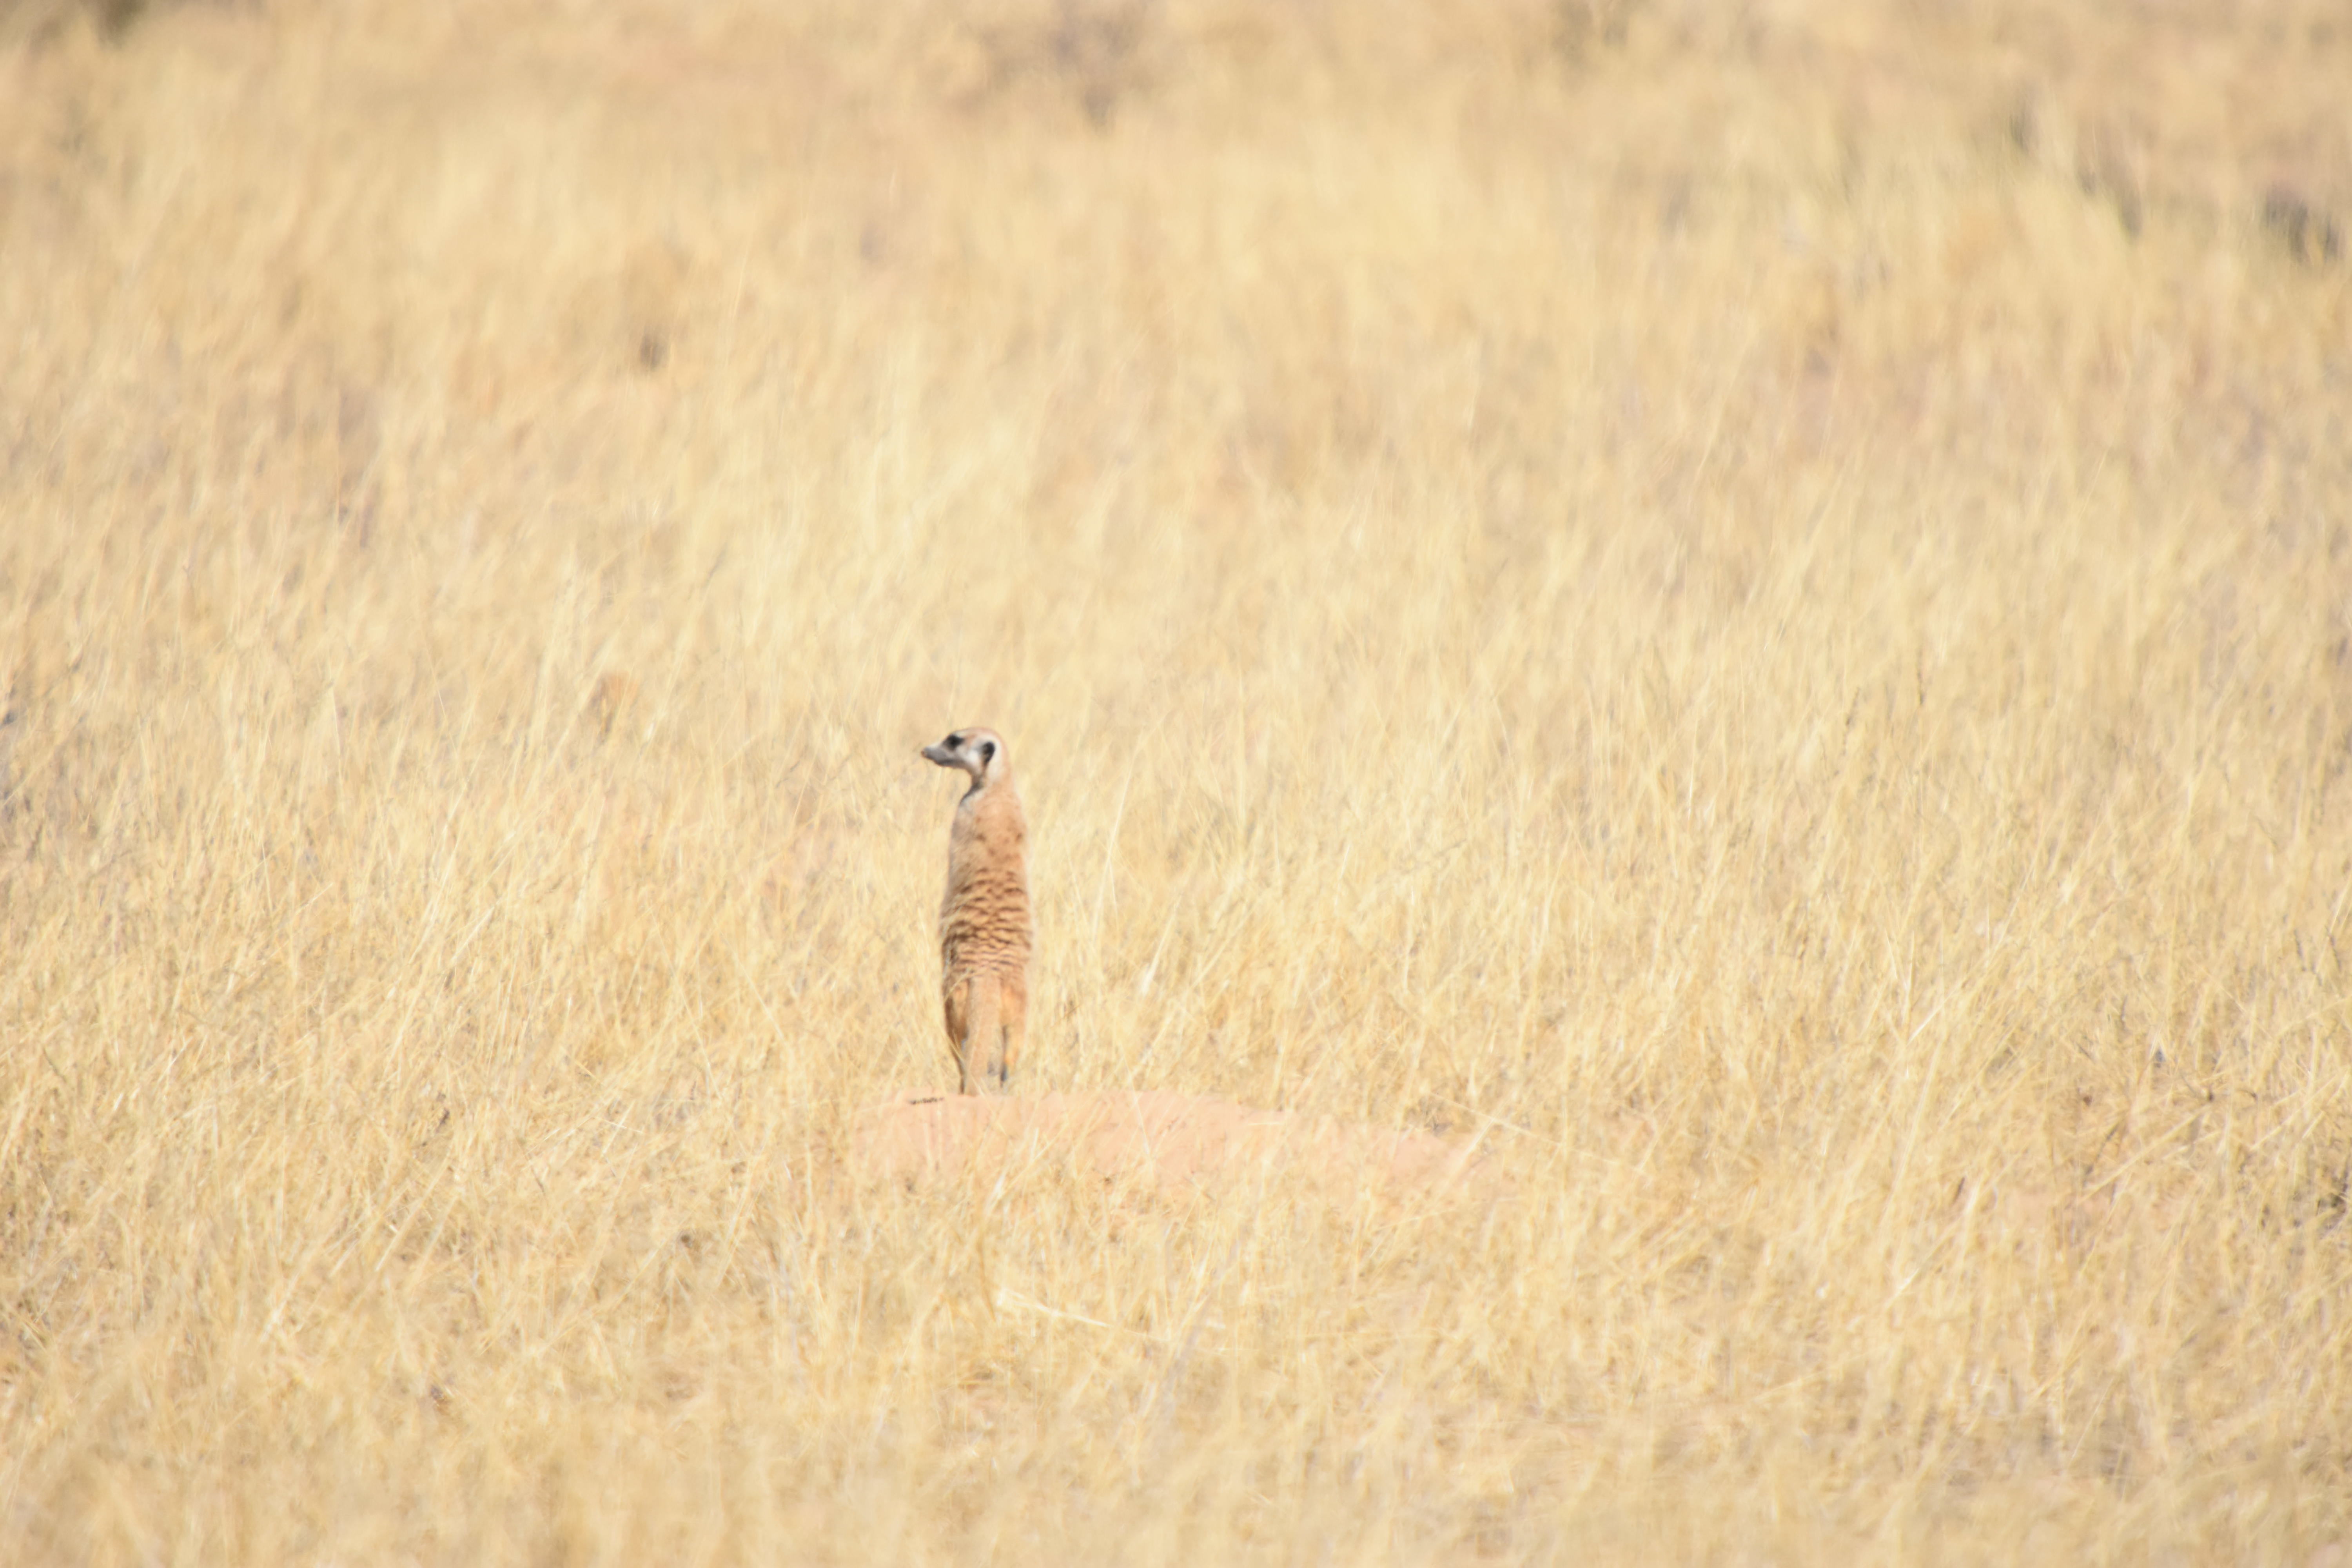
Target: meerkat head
(980, 752)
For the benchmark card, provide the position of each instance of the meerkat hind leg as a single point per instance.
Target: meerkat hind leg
(1014, 1008)
(980, 1050)
(959, 1022)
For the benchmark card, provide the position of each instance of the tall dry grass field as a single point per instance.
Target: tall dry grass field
(1753, 611)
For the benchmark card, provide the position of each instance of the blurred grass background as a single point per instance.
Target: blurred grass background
(1751, 607)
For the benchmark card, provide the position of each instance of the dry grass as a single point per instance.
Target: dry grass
(1753, 611)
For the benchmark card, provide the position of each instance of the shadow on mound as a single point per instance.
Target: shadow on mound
(1172, 1142)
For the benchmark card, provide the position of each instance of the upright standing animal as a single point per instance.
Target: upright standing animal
(984, 919)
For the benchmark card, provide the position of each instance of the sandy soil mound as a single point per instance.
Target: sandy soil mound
(1158, 1139)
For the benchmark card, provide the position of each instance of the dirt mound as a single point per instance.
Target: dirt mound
(1161, 1140)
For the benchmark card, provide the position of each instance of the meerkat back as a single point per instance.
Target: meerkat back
(985, 919)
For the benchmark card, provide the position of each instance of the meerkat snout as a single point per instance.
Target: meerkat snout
(984, 932)
(975, 752)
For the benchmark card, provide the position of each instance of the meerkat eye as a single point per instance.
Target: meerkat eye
(988, 750)
(955, 741)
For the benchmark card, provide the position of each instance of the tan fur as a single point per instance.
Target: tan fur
(984, 932)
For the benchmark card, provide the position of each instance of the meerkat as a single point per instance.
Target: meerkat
(984, 919)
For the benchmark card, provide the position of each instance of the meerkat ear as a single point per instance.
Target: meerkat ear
(987, 751)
